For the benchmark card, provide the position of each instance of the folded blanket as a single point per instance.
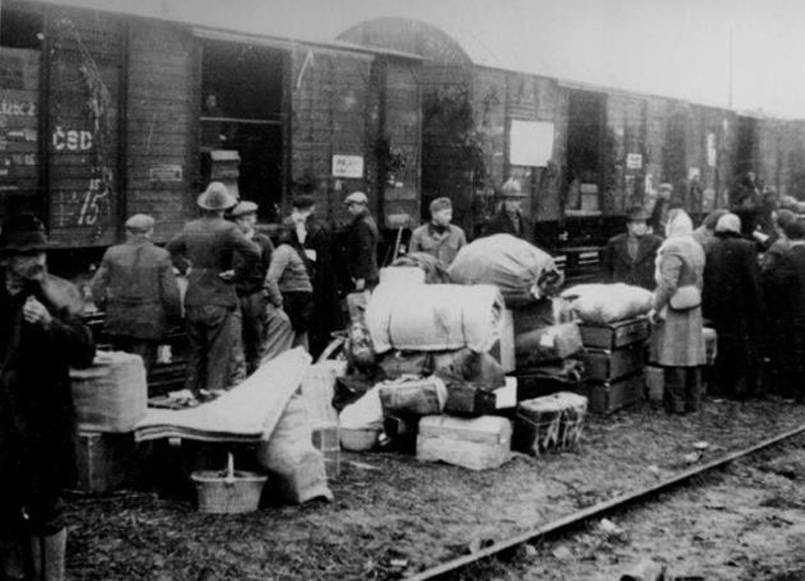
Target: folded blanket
(247, 413)
(435, 317)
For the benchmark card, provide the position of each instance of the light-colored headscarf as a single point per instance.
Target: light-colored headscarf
(729, 223)
(679, 224)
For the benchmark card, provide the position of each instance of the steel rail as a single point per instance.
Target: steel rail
(596, 510)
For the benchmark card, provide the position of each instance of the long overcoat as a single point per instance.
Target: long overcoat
(733, 301)
(784, 284)
(37, 419)
(136, 282)
(677, 341)
(502, 223)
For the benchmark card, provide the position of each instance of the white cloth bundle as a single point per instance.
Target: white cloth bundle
(436, 317)
(608, 303)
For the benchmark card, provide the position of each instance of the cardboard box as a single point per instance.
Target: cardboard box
(105, 462)
(616, 335)
(605, 365)
(608, 397)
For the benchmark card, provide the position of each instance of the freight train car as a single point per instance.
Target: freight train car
(103, 115)
(585, 154)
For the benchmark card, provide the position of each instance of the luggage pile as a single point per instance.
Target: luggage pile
(614, 335)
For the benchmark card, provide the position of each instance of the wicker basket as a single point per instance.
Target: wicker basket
(228, 491)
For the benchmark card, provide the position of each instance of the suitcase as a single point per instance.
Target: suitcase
(615, 335)
(105, 462)
(605, 398)
(606, 365)
(549, 379)
(420, 397)
(476, 443)
(468, 399)
(552, 422)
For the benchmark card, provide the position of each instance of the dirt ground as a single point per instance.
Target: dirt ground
(744, 523)
(393, 516)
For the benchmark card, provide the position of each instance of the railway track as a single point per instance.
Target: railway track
(554, 528)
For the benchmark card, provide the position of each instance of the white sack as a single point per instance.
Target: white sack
(364, 414)
(608, 303)
(436, 317)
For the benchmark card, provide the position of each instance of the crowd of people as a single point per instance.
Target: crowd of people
(747, 283)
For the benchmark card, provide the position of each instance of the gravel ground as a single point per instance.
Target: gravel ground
(393, 516)
(746, 522)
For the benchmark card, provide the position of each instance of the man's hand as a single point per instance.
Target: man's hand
(227, 275)
(653, 317)
(360, 284)
(35, 313)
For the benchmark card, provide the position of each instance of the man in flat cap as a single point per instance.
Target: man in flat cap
(209, 246)
(251, 288)
(314, 240)
(137, 288)
(629, 257)
(41, 337)
(439, 237)
(510, 219)
(361, 243)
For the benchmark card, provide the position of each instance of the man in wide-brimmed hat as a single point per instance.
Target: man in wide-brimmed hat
(137, 288)
(208, 246)
(509, 218)
(41, 337)
(439, 237)
(629, 257)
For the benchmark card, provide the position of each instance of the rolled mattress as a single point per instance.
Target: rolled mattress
(436, 317)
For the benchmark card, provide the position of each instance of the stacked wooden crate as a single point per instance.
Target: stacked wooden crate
(614, 359)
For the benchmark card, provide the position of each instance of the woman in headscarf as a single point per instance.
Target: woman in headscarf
(677, 343)
(733, 302)
(706, 233)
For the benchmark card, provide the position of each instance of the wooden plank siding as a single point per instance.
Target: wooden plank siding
(161, 125)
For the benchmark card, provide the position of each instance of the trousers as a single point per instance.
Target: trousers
(211, 332)
(683, 391)
(254, 320)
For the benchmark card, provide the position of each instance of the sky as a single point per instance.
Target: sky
(676, 48)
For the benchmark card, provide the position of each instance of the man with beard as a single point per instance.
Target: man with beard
(629, 257)
(313, 239)
(40, 339)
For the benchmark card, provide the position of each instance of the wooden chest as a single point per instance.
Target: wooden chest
(605, 398)
(615, 335)
(105, 462)
(610, 365)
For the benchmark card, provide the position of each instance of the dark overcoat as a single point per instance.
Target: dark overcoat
(502, 223)
(784, 283)
(619, 266)
(733, 301)
(37, 419)
(136, 282)
(362, 238)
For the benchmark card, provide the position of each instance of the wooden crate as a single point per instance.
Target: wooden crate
(608, 397)
(474, 443)
(616, 335)
(611, 365)
(105, 462)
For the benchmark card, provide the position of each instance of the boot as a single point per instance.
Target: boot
(12, 560)
(47, 554)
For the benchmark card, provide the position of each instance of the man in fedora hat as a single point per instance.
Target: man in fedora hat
(439, 237)
(208, 246)
(629, 257)
(41, 337)
(510, 219)
(361, 243)
(136, 286)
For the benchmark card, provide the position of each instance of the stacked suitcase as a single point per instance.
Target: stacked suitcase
(614, 359)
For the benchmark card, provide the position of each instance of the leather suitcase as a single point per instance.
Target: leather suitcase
(606, 365)
(615, 335)
(467, 399)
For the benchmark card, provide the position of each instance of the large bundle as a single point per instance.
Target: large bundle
(521, 271)
(608, 303)
(436, 317)
(111, 395)
(297, 468)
